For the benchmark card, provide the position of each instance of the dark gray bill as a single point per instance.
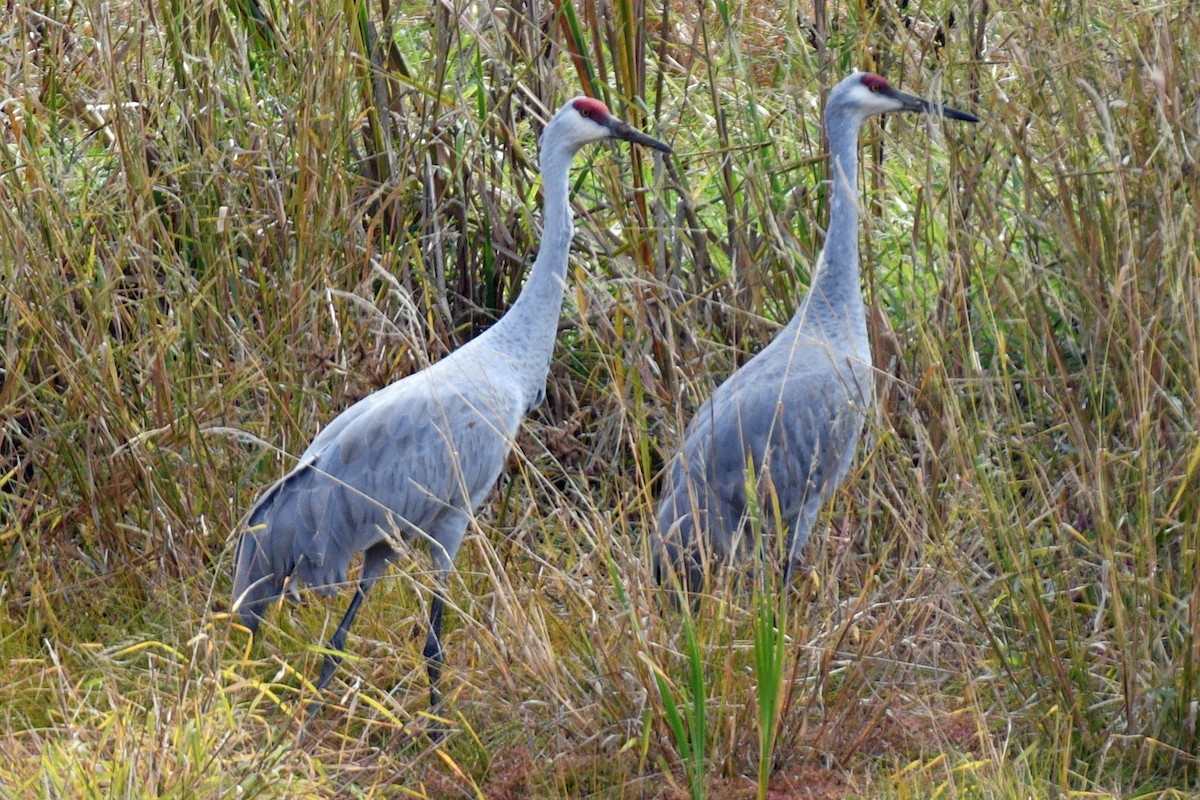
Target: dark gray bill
(913, 103)
(623, 130)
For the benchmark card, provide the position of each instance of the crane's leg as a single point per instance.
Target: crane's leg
(435, 656)
(449, 538)
(798, 535)
(375, 561)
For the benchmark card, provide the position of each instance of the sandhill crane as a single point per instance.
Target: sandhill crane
(790, 418)
(414, 460)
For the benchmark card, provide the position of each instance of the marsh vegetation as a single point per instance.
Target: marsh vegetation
(222, 223)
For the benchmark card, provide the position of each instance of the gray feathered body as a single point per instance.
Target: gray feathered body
(412, 460)
(789, 419)
(416, 458)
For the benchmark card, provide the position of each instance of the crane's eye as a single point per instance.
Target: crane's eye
(874, 87)
(583, 112)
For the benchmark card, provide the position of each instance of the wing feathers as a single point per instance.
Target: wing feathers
(400, 460)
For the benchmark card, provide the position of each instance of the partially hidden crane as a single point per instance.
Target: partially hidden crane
(414, 460)
(780, 432)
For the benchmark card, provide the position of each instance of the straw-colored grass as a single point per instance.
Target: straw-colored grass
(220, 224)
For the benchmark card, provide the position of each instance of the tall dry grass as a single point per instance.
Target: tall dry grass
(221, 224)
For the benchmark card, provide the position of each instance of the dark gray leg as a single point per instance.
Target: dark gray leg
(798, 533)
(375, 561)
(442, 549)
(789, 572)
(435, 656)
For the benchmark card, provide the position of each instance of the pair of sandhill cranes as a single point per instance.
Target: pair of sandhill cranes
(415, 460)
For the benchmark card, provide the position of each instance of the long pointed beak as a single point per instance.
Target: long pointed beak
(921, 105)
(623, 130)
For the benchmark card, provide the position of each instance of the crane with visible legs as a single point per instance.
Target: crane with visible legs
(414, 460)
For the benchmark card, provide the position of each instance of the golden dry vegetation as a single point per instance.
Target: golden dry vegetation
(221, 224)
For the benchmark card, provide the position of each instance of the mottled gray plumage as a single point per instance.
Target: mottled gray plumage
(790, 418)
(414, 460)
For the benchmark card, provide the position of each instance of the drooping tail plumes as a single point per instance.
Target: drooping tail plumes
(256, 582)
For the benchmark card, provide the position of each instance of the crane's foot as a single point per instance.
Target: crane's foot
(314, 706)
(306, 727)
(436, 728)
(797, 571)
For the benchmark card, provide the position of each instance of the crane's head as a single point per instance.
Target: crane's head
(586, 119)
(867, 94)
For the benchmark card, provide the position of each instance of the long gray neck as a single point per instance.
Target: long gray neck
(835, 295)
(529, 328)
